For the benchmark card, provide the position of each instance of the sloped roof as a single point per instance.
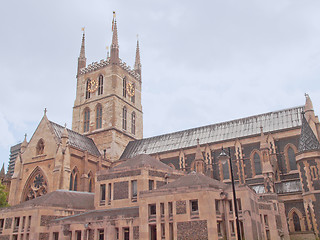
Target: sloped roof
(194, 179)
(308, 140)
(142, 160)
(77, 140)
(61, 198)
(272, 121)
(125, 212)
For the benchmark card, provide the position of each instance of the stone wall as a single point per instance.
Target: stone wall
(181, 207)
(121, 190)
(192, 230)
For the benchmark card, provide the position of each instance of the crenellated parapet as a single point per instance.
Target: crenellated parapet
(98, 65)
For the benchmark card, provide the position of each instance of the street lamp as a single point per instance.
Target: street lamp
(223, 158)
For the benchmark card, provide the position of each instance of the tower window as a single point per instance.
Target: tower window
(99, 117)
(133, 123)
(257, 164)
(87, 89)
(124, 118)
(86, 121)
(124, 87)
(100, 85)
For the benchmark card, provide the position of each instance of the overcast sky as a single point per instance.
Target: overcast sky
(203, 62)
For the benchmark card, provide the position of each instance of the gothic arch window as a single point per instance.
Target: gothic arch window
(74, 180)
(256, 162)
(133, 123)
(87, 89)
(40, 147)
(100, 85)
(124, 87)
(290, 156)
(86, 120)
(36, 186)
(91, 182)
(98, 116)
(124, 118)
(296, 221)
(225, 170)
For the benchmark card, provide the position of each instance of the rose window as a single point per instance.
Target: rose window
(37, 186)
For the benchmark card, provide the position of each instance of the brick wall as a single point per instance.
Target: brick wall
(45, 219)
(43, 236)
(192, 230)
(120, 190)
(181, 207)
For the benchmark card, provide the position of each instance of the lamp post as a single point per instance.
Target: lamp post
(223, 157)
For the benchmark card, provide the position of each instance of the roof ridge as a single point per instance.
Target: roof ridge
(71, 131)
(221, 123)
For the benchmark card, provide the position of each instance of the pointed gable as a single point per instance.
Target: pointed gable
(308, 140)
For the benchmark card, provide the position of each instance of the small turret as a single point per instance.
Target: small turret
(198, 161)
(137, 64)
(24, 144)
(82, 61)
(114, 51)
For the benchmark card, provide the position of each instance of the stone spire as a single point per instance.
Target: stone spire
(311, 118)
(198, 160)
(137, 64)
(263, 140)
(82, 61)
(114, 51)
(308, 141)
(199, 155)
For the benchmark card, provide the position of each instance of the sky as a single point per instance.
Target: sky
(203, 62)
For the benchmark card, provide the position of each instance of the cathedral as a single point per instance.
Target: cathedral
(103, 180)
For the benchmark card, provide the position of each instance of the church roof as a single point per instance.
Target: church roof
(77, 140)
(143, 160)
(61, 198)
(194, 179)
(271, 122)
(308, 140)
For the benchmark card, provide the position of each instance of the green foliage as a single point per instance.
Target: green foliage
(3, 196)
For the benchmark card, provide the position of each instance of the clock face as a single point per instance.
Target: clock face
(130, 89)
(92, 86)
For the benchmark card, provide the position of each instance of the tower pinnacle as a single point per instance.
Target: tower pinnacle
(137, 64)
(114, 51)
(82, 57)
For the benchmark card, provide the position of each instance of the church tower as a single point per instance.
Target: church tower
(108, 106)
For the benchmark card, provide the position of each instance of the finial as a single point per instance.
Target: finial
(25, 136)
(261, 129)
(45, 111)
(137, 37)
(107, 51)
(65, 125)
(82, 29)
(113, 20)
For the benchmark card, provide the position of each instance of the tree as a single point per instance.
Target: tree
(3, 196)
